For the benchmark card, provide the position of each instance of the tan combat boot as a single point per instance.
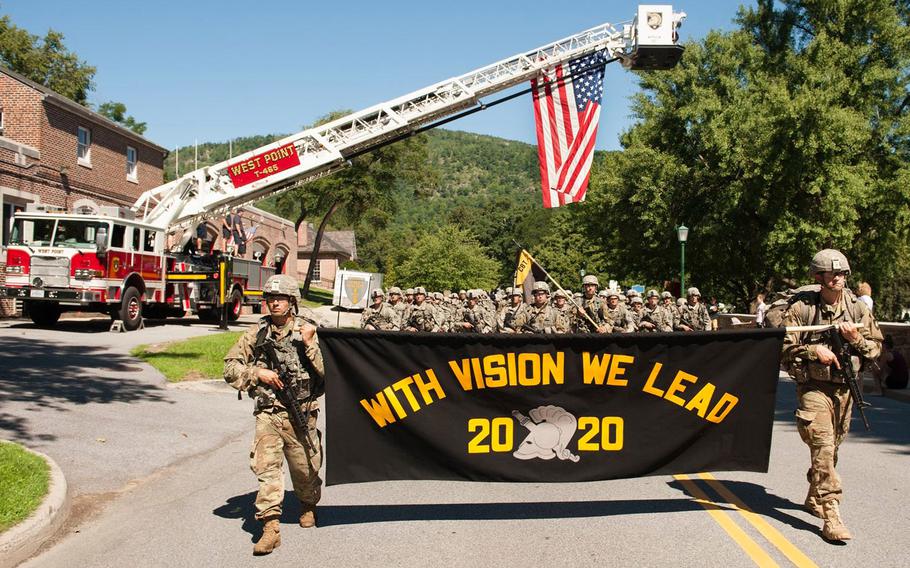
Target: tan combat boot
(270, 539)
(834, 528)
(812, 505)
(308, 518)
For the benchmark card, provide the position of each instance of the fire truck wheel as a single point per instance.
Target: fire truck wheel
(44, 314)
(235, 303)
(131, 308)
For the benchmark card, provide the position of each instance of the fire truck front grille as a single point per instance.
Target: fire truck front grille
(53, 272)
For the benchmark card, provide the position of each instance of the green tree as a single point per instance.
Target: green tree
(446, 259)
(368, 184)
(117, 112)
(45, 60)
(771, 141)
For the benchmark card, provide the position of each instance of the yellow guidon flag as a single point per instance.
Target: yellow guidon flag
(524, 267)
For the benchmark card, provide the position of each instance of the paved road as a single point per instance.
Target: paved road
(191, 504)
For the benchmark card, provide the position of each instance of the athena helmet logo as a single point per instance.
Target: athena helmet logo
(550, 430)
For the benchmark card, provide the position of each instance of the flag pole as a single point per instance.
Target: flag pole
(553, 280)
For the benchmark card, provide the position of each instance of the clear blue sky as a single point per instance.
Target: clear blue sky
(217, 70)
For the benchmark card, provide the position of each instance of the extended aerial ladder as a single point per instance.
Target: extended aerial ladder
(649, 41)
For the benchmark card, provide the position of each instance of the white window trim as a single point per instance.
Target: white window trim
(87, 159)
(134, 177)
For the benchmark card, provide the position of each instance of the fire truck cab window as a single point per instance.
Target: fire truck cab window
(137, 235)
(150, 241)
(34, 232)
(77, 234)
(117, 236)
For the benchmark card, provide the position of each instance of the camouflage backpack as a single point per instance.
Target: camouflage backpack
(808, 294)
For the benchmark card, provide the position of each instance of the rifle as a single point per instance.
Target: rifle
(842, 352)
(373, 320)
(287, 395)
(471, 318)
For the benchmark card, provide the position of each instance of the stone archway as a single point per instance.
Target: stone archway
(259, 249)
(280, 258)
(86, 207)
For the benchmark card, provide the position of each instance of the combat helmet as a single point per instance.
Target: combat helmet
(281, 285)
(541, 286)
(829, 260)
(589, 279)
(653, 294)
(693, 291)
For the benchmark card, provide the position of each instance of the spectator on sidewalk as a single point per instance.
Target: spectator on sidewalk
(864, 291)
(892, 368)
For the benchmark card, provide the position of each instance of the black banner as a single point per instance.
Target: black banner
(547, 407)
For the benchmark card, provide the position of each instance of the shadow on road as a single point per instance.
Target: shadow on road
(757, 498)
(241, 507)
(888, 418)
(102, 325)
(45, 375)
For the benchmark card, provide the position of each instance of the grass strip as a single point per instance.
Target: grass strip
(195, 359)
(24, 481)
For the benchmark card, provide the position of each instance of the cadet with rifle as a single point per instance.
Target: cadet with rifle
(821, 361)
(278, 363)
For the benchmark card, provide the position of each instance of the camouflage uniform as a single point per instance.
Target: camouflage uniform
(275, 436)
(484, 321)
(594, 307)
(513, 318)
(546, 319)
(825, 404)
(619, 319)
(695, 317)
(384, 317)
(423, 317)
(659, 316)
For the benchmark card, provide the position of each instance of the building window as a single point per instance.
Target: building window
(317, 273)
(84, 150)
(131, 164)
(1, 121)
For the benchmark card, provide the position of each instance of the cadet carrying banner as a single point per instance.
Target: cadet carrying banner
(547, 408)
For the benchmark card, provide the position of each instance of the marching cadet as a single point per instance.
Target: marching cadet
(399, 305)
(653, 316)
(473, 317)
(693, 315)
(561, 303)
(513, 318)
(616, 315)
(409, 296)
(825, 403)
(380, 315)
(667, 303)
(593, 306)
(637, 311)
(281, 341)
(440, 311)
(422, 316)
(463, 297)
(544, 318)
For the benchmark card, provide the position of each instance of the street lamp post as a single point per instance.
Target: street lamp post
(682, 232)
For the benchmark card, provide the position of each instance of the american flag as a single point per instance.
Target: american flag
(566, 113)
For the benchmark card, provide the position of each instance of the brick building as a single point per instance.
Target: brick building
(55, 151)
(337, 247)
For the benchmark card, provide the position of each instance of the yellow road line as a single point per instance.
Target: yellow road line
(789, 550)
(749, 546)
